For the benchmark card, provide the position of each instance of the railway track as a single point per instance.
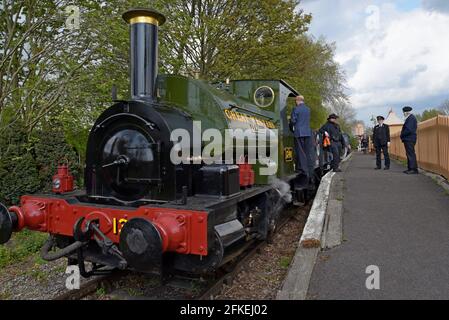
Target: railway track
(209, 289)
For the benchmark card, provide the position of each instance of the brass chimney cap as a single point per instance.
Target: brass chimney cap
(142, 15)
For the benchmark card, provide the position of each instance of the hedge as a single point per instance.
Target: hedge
(28, 161)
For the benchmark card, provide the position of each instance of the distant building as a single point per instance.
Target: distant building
(394, 122)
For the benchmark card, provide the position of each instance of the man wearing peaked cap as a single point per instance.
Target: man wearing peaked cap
(332, 130)
(381, 140)
(407, 109)
(409, 138)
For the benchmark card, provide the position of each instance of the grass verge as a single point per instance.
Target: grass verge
(22, 245)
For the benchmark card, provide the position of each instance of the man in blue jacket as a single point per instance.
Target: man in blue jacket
(409, 137)
(300, 120)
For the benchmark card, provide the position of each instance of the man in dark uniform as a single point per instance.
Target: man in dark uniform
(332, 130)
(381, 140)
(409, 137)
(300, 120)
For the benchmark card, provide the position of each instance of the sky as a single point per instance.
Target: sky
(394, 53)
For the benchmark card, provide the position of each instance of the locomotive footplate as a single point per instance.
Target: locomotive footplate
(97, 228)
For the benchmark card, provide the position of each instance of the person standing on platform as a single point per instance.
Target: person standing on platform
(409, 137)
(300, 121)
(333, 131)
(364, 144)
(381, 139)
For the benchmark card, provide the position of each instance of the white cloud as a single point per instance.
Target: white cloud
(405, 61)
(404, 58)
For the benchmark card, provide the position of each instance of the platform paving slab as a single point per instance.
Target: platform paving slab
(334, 230)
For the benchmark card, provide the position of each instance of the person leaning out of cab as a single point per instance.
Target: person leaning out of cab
(332, 131)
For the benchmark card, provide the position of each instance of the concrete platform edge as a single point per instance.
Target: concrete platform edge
(297, 281)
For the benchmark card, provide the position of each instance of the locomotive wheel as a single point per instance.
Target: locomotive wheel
(6, 224)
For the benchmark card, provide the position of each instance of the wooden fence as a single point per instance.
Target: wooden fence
(432, 148)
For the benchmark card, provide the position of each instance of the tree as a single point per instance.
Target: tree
(429, 114)
(346, 112)
(218, 38)
(444, 107)
(38, 59)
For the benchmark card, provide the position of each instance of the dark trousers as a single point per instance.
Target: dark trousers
(411, 155)
(335, 149)
(304, 157)
(379, 150)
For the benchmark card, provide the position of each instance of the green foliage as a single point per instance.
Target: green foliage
(346, 112)
(28, 162)
(18, 170)
(101, 291)
(429, 114)
(22, 245)
(50, 149)
(284, 262)
(39, 58)
(318, 116)
(354, 142)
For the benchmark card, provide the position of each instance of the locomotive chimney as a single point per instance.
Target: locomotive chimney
(144, 24)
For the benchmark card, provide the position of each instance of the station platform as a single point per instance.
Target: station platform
(395, 222)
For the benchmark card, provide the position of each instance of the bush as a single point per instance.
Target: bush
(18, 169)
(50, 149)
(354, 141)
(28, 162)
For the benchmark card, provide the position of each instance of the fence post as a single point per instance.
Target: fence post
(440, 167)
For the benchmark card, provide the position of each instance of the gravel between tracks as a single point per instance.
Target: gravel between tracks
(264, 274)
(33, 279)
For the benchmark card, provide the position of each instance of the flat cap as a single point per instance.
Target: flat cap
(333, 116)
(407, 109)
